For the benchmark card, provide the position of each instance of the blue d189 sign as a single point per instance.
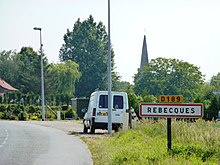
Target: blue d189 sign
(183, 110)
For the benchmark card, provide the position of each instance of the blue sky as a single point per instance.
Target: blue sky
(187, 30)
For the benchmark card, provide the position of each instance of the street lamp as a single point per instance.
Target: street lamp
(42, 74)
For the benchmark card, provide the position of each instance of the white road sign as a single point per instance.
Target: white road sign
(183, 110)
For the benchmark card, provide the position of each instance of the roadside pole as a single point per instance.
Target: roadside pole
(109, 76)
(169, 134)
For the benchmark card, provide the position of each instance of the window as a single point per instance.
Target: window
(103, 101)
(118, 102)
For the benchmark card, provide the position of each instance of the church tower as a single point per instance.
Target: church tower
(144, 55)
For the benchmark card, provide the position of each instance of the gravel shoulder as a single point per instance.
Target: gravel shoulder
(71, 127)
(66, 126)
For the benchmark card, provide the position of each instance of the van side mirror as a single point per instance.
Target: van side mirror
(84, 110)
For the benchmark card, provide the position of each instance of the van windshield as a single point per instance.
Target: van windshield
(117, 101)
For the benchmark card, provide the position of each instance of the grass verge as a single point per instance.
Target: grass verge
(193, 143)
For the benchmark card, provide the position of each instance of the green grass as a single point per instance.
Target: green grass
(193, 143)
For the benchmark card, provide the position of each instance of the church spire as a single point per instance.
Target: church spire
(144, 55)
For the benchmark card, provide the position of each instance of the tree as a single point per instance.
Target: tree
(169, 77)
(62, 78)
(9, 67)
(122, 85)
(212, 112)
(29, 72)
(136, 100)
(23, 71)
(215, 82)
(87, 45)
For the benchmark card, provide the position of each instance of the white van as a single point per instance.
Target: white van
(96, 117)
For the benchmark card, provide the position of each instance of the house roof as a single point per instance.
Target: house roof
(5, 87)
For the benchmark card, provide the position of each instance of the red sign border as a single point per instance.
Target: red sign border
(172, 116)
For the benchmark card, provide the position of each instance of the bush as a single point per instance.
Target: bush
(69, 114)
(23, 116)
(34, 118)
(1, 115)
(13, 117)
(20, 112)
(3, 108)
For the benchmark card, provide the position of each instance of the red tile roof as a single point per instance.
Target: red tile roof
(4, 87)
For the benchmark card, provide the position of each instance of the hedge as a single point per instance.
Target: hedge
(21, 112)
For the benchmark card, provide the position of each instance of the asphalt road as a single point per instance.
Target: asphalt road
(22, 143)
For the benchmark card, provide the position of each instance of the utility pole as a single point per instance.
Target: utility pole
(109, 76)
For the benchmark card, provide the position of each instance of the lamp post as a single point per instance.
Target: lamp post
(42, 74)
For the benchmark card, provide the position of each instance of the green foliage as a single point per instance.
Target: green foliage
(62, 78)
(3, 107)
(214, 107)
(28, 74)
(21, 112)
(193, 143)
(23, 71)
(68, 114)
(196, 139)
(215, 82)
(13, 112)
(121, 86)
(135, 101)
(87, 45)
(169, 77)
(9, 66)
(34, 112)
(188, 151)
(206, 91)
(32, 99)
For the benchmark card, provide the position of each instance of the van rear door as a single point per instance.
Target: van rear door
(118, 105)
(118, 108)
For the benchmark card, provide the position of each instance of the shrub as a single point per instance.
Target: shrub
(1, 115)
(3, 108)
(34, 118)
(70, 113)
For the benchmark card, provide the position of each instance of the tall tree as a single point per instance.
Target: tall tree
(87, 45)
(169, 77)
(29, 74)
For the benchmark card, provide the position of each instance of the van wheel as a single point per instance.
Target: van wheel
(85, 129)
(92, 127)
(118, 127)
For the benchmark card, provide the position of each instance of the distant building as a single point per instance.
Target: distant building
(144, 55)
(5, 87)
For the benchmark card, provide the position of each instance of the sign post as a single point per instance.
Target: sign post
(171, 110)
(170, 99)
(169, 134)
